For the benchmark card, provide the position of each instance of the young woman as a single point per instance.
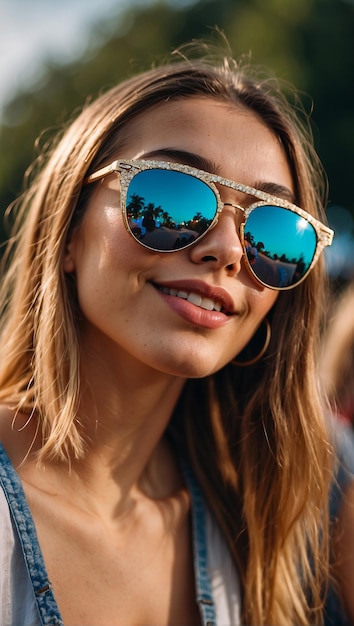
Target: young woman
(165, 459)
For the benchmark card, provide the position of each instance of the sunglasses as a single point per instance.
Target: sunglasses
(167, 207)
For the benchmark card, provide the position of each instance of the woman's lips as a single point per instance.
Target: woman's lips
(197, 303)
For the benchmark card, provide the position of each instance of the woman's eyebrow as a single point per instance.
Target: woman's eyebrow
(199, 162)
(274, 189)
(184, 157)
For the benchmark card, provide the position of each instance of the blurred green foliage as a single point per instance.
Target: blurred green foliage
(307, 42)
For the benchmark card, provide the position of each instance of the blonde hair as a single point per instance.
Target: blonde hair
(255, 436)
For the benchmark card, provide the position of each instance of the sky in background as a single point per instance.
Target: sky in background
(32, 30)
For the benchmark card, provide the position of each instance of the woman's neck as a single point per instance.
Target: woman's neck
(126, 456)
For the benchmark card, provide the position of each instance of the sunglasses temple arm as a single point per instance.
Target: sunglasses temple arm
(328, 236)
(104, 171)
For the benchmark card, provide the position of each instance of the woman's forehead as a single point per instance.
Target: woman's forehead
(235, 139)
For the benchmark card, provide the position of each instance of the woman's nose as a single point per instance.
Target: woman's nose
(221, 246)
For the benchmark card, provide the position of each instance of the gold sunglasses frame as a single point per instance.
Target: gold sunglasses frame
(127, 169)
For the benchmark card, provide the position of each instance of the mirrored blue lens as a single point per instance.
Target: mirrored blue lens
(168, 210)
(280, 245)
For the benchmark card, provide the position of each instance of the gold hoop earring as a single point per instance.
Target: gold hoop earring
(268, 334)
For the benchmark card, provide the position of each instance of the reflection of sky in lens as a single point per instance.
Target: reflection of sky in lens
(282, 232)
(180, 195)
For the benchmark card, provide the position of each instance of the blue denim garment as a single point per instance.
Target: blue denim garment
(45, 602)
(48, 612)
(201, 574)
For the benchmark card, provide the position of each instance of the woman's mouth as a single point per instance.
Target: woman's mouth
(204, 303)
(199, 304)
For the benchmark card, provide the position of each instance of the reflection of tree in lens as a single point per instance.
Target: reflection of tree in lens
(135, 205)
(289, 271)
(259, 245)
(199, 223)
(136, 208)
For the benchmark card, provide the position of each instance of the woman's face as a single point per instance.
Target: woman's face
(130, 313)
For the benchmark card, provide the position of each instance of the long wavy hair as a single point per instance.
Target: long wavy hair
(255, 436)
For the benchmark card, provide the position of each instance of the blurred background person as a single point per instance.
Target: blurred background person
(337, 359)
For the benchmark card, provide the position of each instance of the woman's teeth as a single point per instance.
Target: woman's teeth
(194, 298)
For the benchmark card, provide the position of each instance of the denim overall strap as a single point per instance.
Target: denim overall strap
(203, 588)
(22, 517)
